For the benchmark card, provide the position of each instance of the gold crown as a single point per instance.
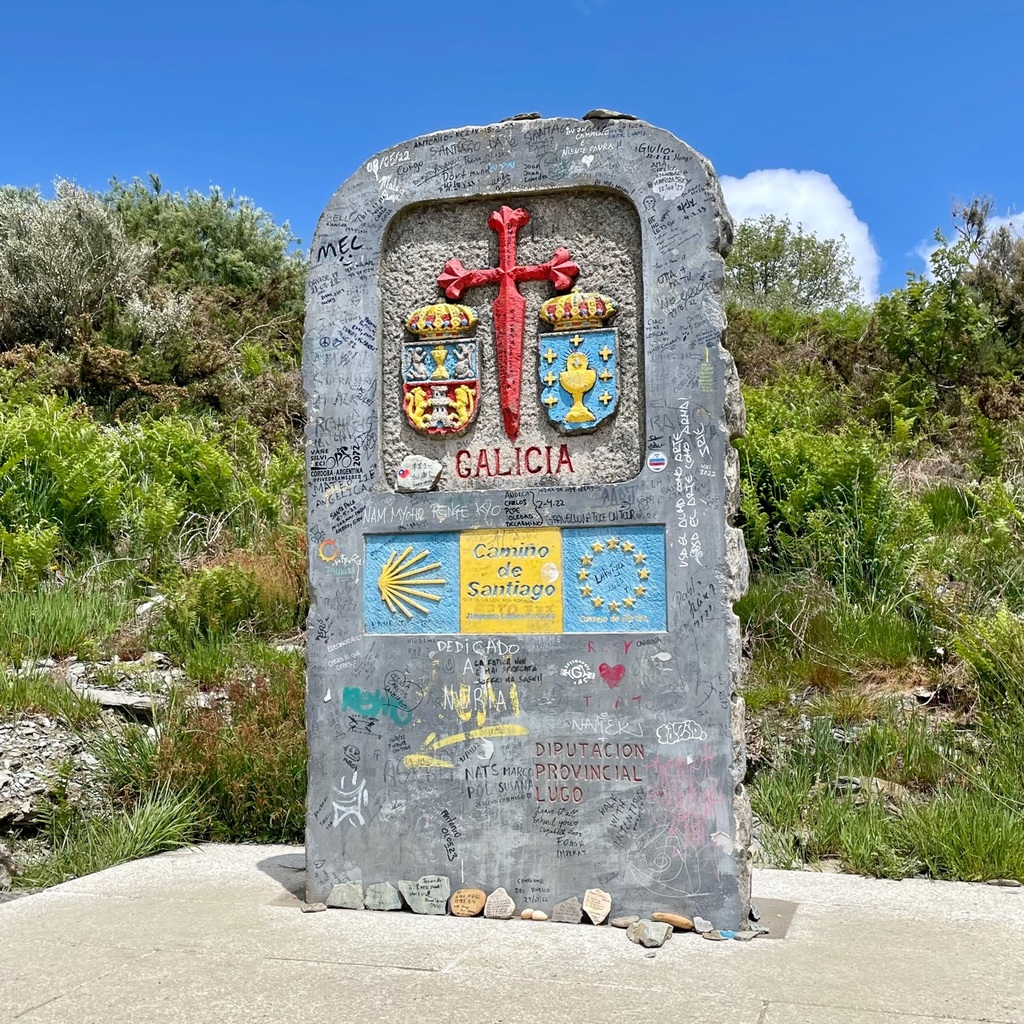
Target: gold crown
(577, 309)
(441, 320)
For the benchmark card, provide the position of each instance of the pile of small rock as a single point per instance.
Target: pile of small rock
(432, 894)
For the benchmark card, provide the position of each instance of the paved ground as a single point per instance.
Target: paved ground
(216, 935)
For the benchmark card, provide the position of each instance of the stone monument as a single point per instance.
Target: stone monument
(522, 654)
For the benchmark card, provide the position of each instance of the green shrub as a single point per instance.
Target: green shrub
(248, 761)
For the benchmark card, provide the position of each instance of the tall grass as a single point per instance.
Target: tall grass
(38, 693)
(59, 621)
(163, 819)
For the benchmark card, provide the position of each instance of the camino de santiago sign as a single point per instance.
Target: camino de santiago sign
(522, 654)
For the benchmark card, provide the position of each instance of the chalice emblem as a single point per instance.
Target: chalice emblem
(577, 378)
(579, 361)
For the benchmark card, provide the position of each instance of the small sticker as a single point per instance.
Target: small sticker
(657, 461)
(578, 671)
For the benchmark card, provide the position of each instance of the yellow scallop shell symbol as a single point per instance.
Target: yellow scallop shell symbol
(401, 578)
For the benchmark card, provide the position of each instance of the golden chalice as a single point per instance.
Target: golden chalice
(440, 355)
(577, 378)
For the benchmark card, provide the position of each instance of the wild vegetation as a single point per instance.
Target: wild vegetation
(150, 417)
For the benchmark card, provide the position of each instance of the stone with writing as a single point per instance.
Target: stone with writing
(382, 896)
(499, 905)
(568, 911)
(427, 895)
(467, 902)
(649, 933)
(347, 895)
(417, 473)
(680, 923)
(597, 905)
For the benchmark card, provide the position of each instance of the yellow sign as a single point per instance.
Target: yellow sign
(511, 581)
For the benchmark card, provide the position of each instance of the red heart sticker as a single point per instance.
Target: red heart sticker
(611, 674)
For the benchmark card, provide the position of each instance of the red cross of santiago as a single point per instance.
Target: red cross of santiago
(509, 307)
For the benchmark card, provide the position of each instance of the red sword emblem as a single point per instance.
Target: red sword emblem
(509, 307)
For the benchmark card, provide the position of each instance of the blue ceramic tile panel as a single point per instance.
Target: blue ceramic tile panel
(411, 583)
(614, 579)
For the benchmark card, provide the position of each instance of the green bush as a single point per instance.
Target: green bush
(247, 761)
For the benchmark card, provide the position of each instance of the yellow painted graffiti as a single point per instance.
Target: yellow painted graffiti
(423, 760)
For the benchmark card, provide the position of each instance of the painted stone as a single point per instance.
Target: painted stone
(715, 935)
(680, 923)
(509, 306)
(649, 933)
(568, 911)
(417, 473)
(578, 366)
(427, 895)
(467, 902)
(440, 374)
(348, 895)
(624, 922)
(499, 905)
(382, 896)
(597, 905)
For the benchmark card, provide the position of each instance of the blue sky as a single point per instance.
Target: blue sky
(886, 112)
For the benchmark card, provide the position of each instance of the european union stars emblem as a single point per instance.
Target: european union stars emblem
(579, 377)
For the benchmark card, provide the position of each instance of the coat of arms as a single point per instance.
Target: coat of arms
(578, 363)
(440, 370)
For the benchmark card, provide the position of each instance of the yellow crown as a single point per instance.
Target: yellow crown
(441, 320)
(577, 309)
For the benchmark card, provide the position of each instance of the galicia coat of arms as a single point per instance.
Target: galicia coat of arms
(440, 369)
(578, 362)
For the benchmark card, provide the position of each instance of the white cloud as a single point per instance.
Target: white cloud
(812, 199)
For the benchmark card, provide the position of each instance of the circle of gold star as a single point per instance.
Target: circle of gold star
(616, 548)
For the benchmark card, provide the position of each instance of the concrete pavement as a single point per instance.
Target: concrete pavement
(215, 934)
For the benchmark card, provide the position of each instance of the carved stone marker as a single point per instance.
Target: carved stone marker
(521, 671)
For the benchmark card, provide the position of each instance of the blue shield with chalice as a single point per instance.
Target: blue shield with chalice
(579, 361)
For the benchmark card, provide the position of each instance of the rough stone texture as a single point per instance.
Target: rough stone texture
(428, 895)
(597, 905)
(649, 933)
(680, 923)
(701, 926)
(382, 896)
(624, 922)
(346, 895)
(407, 774)
(313, 908)
(568, 911)
(417, 473)
(467, 902)
(499, 905)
